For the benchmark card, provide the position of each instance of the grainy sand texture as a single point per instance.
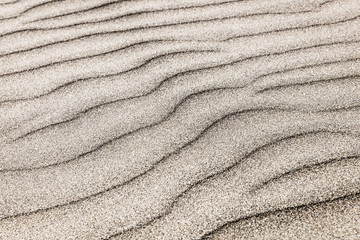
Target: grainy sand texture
(179, 119)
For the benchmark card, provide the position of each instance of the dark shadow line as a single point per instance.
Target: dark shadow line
(280, 87)
(287, 209)
(136, 29)
(38, 5)
(163, 159)
(227, 169)
(135, 13)
(79, 114)
(92, 56)
(28, 9)
(182, 73)
(10, 3)
(293, 28)
(144, 63)
(167, 117)
(148, 93)
(233, 16)
(160, 26)
(307, 66)
(299, 169)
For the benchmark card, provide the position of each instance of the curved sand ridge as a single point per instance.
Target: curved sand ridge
(179, 119)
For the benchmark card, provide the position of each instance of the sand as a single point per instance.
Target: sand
(201, 119)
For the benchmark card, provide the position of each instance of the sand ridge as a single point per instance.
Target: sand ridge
(205, 119)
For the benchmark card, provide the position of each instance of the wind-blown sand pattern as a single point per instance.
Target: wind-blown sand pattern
(201, 119)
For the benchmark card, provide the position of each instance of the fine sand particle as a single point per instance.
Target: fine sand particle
(201, 119)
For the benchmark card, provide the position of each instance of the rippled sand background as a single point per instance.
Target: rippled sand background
(183, 119)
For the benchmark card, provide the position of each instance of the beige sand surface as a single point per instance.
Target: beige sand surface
(183, 119)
